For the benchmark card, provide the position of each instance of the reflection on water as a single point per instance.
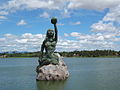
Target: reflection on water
(51, 85)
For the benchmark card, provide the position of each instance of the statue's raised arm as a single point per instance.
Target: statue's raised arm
(54, 21)
(49, 46)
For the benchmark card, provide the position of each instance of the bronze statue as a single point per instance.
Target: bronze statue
(51, 66)
(49, 45)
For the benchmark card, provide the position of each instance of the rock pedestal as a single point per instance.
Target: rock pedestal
(52, 72)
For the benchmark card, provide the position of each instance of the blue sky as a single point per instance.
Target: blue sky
(82, 24)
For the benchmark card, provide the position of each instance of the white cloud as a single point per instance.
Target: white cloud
(109, 26)
(38, 36)
(13, 5)
(66, 8)
(2, 39)
(3, 13)
(60, 24)
(32, 42)
(30, 4)
(75, 34)
(65, 13)
(103, 27)
(66, 35)
(110, 23)
(45, 15)
(93, 4)
(21, 22)
(105, 35)
(3, 17)
(76, 23)
(97, 40)
(8, 35)
(113, 15)
(22, 40)
(100, 38)
(27, 35)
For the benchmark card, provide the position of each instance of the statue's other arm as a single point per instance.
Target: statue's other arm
(56, 32)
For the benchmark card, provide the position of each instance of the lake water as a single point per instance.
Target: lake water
(85, 74)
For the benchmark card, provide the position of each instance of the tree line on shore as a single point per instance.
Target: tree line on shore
(84, 53)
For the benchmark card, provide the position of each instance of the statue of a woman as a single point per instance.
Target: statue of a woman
(49, 45)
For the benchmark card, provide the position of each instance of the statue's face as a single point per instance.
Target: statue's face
(50, 33)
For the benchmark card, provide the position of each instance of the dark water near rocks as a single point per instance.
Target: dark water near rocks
(85, 74)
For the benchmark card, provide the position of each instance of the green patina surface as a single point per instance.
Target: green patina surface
(49, 45)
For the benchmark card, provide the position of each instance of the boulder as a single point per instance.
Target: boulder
(52, 72)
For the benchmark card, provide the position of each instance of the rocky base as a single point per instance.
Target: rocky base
(52, 72)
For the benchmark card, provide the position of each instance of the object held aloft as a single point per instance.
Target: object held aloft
(54, 20)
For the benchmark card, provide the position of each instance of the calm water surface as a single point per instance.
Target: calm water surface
(85, 74)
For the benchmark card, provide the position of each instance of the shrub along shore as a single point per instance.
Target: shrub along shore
(84, 53)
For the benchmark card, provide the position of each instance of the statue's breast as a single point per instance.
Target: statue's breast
(50, 44)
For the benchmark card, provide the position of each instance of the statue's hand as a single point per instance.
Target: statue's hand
(54, 21)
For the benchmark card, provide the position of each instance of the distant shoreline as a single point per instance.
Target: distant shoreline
(76, 54)
(72, 57)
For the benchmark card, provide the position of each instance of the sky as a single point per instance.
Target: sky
(82, 24)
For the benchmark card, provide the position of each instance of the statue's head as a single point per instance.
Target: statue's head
(50, 33)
